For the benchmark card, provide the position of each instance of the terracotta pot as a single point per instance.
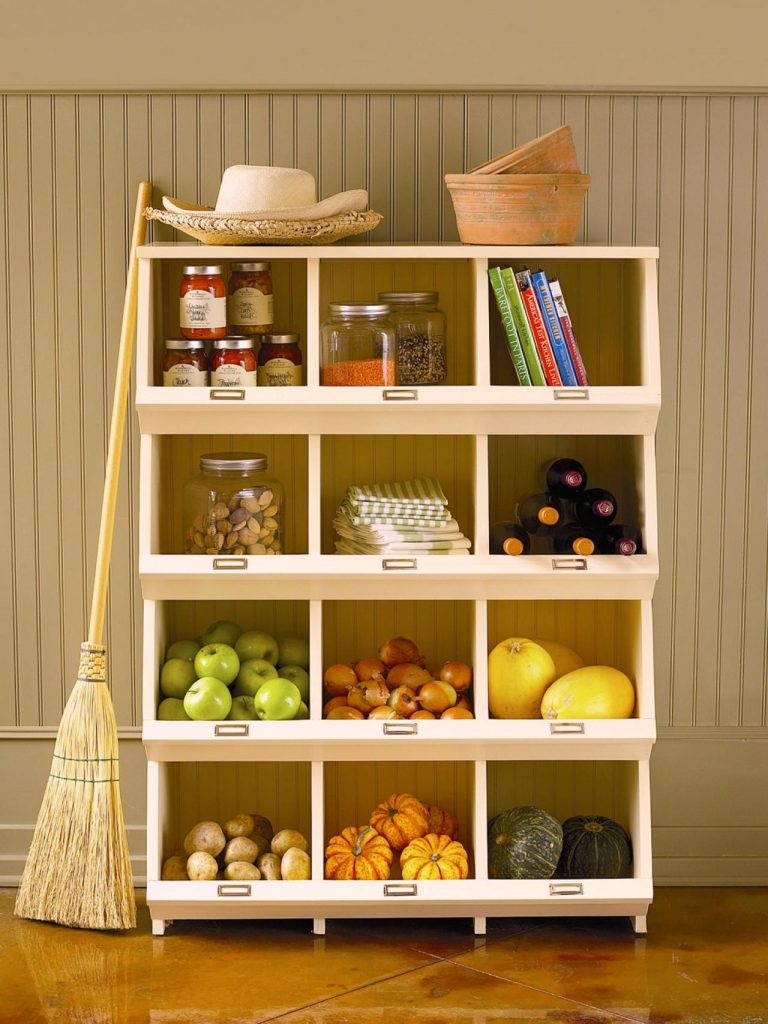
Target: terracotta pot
(518, 209)
(553, 153)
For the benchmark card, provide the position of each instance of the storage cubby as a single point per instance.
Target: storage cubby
(174, 459)
(612, 789)
(353, 789)
(486, 443)
(614, 633)
(380, 460)
(605, 300)
(289, 281)
(361, 281)
(169, 621)
(625, 466)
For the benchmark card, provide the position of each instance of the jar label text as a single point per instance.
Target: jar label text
(251, 306)
(198, 308)
(185, 375)
(279, 373)
(230, 375)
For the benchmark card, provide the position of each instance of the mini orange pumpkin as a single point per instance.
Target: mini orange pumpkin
(434, 857)
(400, 818)
(442, 823)
(358, 853)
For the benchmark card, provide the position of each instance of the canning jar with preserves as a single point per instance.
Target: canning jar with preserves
(203, 303)
(251, 302)
(185, 364)
(359, 344)
(233, 363)
(232, 508)
(279, 361)
(420, 336)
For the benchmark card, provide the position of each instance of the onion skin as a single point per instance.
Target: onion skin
(344, 713)
(371, 668)
(339, 679)
(385, 712)
(403, 700)
(398, 650)
(457, 674)
(407, 674)
(334, 702)
(368, 695)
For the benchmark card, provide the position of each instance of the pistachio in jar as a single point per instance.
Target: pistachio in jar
(231, 508)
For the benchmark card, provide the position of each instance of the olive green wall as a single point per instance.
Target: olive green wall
(680, 171)
(343, 44)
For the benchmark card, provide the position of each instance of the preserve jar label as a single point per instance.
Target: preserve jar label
(230, 375)
(198, 308)
(279, 373)
(185, 375)
(251, 306)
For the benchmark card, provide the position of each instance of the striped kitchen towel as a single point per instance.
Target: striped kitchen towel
(423, 491)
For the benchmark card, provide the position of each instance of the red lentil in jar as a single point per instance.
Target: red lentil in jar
(358, 346)
(203, 303)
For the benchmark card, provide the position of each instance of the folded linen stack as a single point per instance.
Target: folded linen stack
(399, 518)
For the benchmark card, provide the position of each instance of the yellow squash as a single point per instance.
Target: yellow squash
(595, 691)
(519, 672)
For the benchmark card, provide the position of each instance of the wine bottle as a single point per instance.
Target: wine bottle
(509, 539)
(595, 507)
(566, 478)
(575, 539)
(619, 539)
(539, 513)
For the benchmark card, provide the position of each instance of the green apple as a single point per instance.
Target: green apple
(171, 710)
(294, 650)
(222, 632)
(208, 700)
(242, 709)
(255, 644)
(176, 677)
(303, 712)
(298, 676)
(253, 674)
(277, 700)
(218, 660)
(186, 649)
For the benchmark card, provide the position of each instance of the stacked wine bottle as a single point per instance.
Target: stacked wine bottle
(569, 517)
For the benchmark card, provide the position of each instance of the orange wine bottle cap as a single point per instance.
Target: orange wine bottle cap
(513, 546)
(548, 515)
(583, 546)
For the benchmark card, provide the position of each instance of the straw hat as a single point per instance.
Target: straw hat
(270, 204)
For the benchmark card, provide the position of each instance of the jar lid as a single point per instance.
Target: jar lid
(194, 269)
(358, 308)
(184, 344)
(409, 298)
(250, 266)
(233, 462)
(234, 341)
(279, 339)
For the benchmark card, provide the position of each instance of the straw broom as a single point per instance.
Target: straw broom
(78, 870)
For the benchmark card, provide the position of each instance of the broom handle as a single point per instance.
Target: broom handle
(117, 425)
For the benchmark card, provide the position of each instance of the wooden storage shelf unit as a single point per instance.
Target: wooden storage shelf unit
(485, 439)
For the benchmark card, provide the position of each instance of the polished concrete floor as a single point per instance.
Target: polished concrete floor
(705, 961)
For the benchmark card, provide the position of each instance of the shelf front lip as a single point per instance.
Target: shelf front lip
(461, 409)
(330, 896)
(383, 251)
(328, 577)
(481, 740)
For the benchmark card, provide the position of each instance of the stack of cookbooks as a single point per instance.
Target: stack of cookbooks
(540, 335)
(410, 517)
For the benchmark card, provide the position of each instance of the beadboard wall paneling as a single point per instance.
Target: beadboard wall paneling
(679, 171)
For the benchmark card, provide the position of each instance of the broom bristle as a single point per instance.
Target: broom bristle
(78, 870)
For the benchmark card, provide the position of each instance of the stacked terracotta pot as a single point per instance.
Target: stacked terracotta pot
(532, 195)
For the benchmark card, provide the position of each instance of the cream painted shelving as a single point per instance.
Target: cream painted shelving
(485, 439)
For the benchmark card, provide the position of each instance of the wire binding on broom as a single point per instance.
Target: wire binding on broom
(78, 871)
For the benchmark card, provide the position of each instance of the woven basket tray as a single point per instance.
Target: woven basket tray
(233, 231)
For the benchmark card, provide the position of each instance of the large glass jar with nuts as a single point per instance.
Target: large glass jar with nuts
(231, 508)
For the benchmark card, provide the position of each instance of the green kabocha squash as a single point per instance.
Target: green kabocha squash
(594, 847)
(525, 842)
